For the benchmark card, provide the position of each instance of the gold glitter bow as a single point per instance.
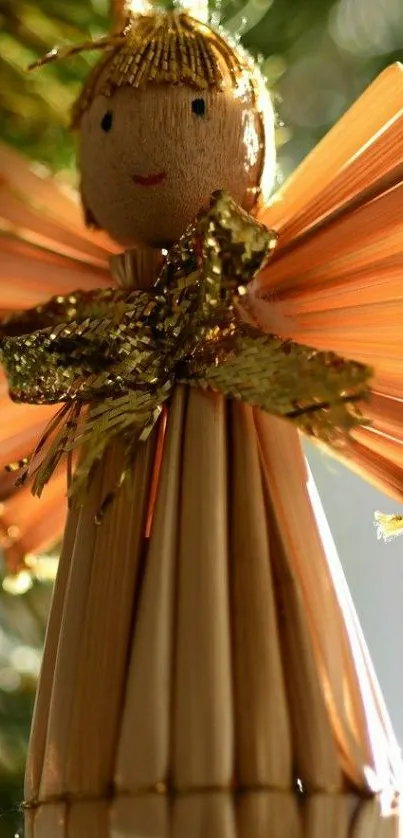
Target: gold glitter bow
(119, 353)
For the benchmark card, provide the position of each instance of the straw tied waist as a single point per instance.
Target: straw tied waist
(118, 353)
(298, 791)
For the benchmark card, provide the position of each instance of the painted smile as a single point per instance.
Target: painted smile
(149, 180)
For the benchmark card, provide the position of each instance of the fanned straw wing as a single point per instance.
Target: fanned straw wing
(336, 281)
(345, 163)
(28, 526)
(45, 246)
(45, 250)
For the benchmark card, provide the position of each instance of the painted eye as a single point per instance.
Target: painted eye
(106, 121)
(199, 107)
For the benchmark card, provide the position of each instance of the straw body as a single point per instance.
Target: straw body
(204, 673)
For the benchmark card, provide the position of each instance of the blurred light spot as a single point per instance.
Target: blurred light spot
(139, 6)
(40, 169)
(13, 532)
(283, 135)
(44, 568)
(273, 68)
(5, 542)
(196, 8)
(367, 27)
(252, 12)
(17, 585)
(5, 644)
(10, 680)
(26, 660)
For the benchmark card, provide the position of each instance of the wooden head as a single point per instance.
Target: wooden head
(168, 117)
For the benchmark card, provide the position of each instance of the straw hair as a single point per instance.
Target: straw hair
(162, 47)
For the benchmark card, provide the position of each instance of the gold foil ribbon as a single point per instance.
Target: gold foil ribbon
(119, 353)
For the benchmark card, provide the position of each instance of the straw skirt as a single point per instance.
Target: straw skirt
(204, 674)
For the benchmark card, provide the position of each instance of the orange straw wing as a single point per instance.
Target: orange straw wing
(335, 281)
(334, 171)
(46, 250)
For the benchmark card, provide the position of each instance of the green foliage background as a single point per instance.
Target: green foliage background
(317, 55)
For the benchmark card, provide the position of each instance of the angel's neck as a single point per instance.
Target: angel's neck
(137, 268)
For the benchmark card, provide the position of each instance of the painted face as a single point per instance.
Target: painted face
(151, 157)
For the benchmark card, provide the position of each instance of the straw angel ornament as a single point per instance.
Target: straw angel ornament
(204, 673)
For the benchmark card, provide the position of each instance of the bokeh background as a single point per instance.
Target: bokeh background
(317, 56)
